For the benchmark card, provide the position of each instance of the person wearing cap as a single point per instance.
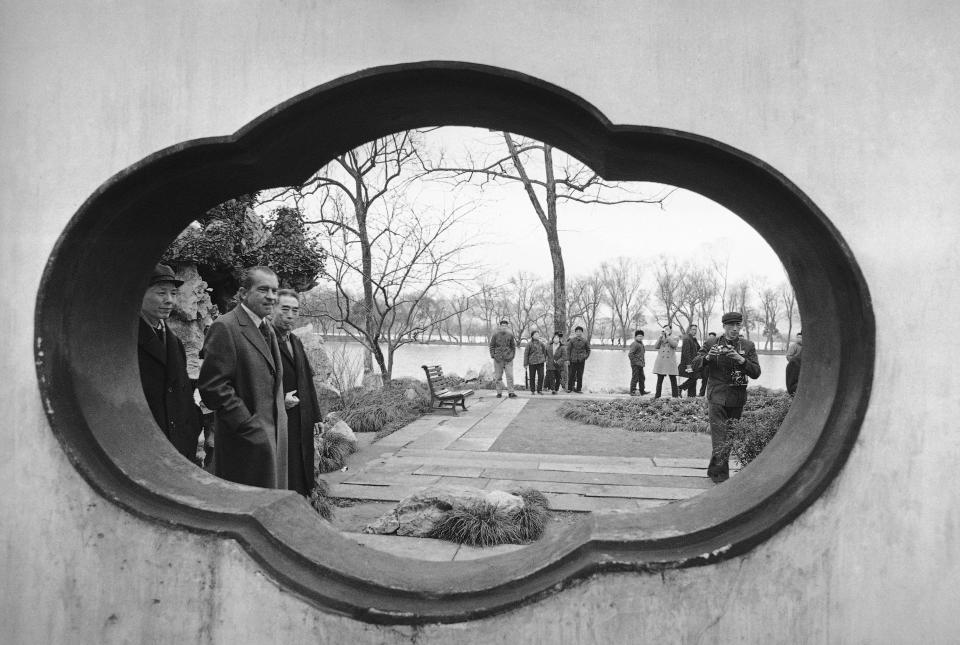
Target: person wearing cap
(241, 380)
(503, 347)
(793, 364)
(163, 365)
(727, 363)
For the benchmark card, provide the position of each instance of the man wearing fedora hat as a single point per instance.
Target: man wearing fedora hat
(727, 362)
(163, 365)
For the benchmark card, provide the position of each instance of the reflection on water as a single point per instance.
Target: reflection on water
(607, 370)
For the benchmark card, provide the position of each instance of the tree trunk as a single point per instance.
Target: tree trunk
(559, 282)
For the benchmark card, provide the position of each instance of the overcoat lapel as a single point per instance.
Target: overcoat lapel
(252, 333)
(151, 344)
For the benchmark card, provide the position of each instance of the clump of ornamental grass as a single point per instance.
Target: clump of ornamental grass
(332, 451)
(320, 499)
(482, 523)
(485, 523)
(532, 518)
(383, 410)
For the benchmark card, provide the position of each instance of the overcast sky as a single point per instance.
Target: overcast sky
(509, 237)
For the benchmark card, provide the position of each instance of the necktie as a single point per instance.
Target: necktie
(264, 329)
(160, 334)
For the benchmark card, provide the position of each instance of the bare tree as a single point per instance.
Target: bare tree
(720, 263)
(625, 296)
(585, 301)
(520, 301)
(670, 278)
(738, 295)
(461, 304)
(789, 300)
(549, 177)
(770, 305)
(703, 285)
(489, 304)
(411, 258)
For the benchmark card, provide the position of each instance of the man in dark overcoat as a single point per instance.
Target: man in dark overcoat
(727, 362)
(300, 394)
(241, 380)
(163, 365)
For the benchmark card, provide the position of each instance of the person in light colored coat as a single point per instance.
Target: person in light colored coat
(666, 363)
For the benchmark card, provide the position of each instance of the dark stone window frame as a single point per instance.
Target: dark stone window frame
(85, 329)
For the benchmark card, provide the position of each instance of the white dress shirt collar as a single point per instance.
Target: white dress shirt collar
(254, 317)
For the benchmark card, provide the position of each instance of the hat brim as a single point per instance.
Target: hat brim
(173, 281)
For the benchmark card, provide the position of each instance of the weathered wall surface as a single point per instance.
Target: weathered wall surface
(855, 102)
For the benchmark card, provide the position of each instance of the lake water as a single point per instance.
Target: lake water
(605, 370)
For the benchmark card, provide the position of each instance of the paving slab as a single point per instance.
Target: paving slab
(528, 456)
(679, 462)
(603, 467)
(393, 479)
(451, 471)
(379, 493)
(475, 459)
(567, 502)
(632, 479)
(473, 444)
(599, 490)
(473, 482)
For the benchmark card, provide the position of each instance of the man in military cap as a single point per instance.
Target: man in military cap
(727, 362)
(163, 365)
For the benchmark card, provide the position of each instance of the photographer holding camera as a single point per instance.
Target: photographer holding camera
(727, 363)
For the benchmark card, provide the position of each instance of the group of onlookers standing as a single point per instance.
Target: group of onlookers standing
(557, 365)
(560, 364)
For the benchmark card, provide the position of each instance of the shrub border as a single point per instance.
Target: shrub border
(105, 427)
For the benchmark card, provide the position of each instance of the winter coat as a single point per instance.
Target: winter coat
(503, 346)
(687, 353)
(578, 349)
(726, 378)
(794, 352)
(637, 353)
(556, 357)
(535, 353)
(666, 362)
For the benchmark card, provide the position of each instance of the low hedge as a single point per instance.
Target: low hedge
(762, 415)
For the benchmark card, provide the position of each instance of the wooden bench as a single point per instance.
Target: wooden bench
(441, 393)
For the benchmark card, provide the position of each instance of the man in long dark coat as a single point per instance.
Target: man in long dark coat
(163, 365)
(728, 362)
(241, 380)
(300, 394)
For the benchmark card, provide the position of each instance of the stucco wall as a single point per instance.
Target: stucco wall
(855, 102)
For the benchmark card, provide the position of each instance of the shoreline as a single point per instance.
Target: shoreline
(448, 343)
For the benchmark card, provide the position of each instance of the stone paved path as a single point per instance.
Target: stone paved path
(442, 449)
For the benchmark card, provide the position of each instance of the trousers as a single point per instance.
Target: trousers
(720, 417)
(575, 383)
(499, 369)
(637, 378)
